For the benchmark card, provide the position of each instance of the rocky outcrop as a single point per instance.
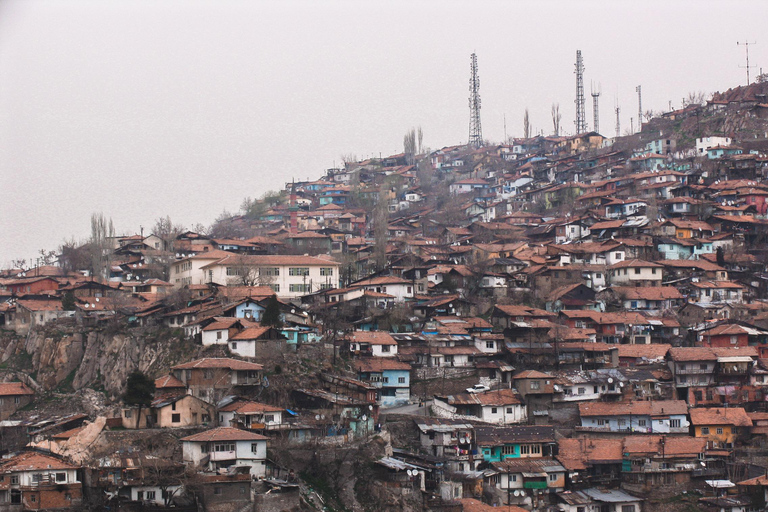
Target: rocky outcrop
(80, 359)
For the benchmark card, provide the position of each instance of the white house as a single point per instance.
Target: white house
(502, 407)
(289, 276)
(224, 447)
(703, 144)
(652, 417)
(219, 331)
(374, 343)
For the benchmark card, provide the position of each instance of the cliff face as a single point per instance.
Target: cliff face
(72, 359)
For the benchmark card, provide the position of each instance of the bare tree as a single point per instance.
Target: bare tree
(556, 117)
(526, 125)
(409, 145)
(102, 236)
(695, 98)
(420, 137)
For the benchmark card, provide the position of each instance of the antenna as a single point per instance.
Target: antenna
(475, 129)
(581, 119)
(639, 108)
(595, 110)
(506, 141)
(618, 122)
(746, 48)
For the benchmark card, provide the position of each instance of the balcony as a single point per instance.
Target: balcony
(693, 371)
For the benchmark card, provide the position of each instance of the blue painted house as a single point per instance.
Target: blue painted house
(497, 444)
(392, 378)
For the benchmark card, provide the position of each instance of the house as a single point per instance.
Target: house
(651, 298)
(168, 411)
(372, 343)
(14, 396)
(524, 475)
(250, 415)
(289, 276)
(636, 273)
(590, 460)
(708, 292)
(38, 481)
(501, 443)
(655, 462)
(663, 416)
(391, 377)
(502, 406)
(450, 440)
(721, 426)
(32, 313)
(217, 330)
(537, 390)
(599, 499)
(257, 341)
(224, 447)
(211, 378)
(692, 366)
(704, 144)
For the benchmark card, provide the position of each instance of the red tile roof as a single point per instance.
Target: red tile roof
(735, 416)
(224, 434)
(15, 388)
(218, 362)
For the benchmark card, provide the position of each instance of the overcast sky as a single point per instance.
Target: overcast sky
(141, 109)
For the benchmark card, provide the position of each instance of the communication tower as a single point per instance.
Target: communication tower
(475, 128)
(595, 110)
(639, 108)
(581, 114)
(746, 48)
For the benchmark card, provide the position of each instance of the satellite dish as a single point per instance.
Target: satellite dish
(364, 417)
(317, 417)
(322, 416)
(370, 407)
(293, 311)
(610, 380)
(621, 384)
(516, 493)
(97, 299)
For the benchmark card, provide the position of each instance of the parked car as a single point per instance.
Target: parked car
(478, 388)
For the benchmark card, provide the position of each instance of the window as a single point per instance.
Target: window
(150, 495)
(640, 423)
(627, 508)
(705, 431)
(509, 410)
(553, 477)
(719, 430)
(217, 491)
(653, 271)
(536, 448)
(525, 449)
(637, 271)
(128, 414)
(275, 288)
(385, 348)
(254, 447)
(218, 335)
(269, 271)
(299, 288)
(14, 479)
(508, 449)
(33, 498)
(298, 271)
(234, 345)
(326, 271)
(176, 418)
(140, 495)
(494, 410)
(173, 406)
(490, 344)
(601, 423)
(269, 418)
(535, 384)
(703, 366)
(401, 380)
(208, 374)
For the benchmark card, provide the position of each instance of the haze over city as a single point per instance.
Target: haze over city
(144, 109)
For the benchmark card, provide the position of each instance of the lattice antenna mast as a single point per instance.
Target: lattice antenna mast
(475, 128)
(595, 109)
(746, 48)
(581, 114)
(618, 119)
(639, 108)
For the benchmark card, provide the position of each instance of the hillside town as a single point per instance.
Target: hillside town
(556, 323)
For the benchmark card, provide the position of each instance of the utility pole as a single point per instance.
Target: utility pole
(595, 111)
(581, 115)
(746, 48)
(639, 108)
(475, 128)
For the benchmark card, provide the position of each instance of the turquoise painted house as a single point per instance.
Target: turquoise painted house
(497, 444)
